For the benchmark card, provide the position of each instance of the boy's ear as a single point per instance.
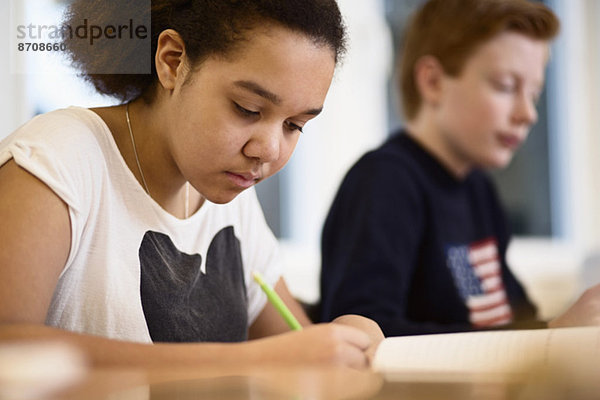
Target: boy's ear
(429, 74)
(170, 58)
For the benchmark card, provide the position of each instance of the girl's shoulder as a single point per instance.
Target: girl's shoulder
(73, 127)
(65, 122)
(60, 134)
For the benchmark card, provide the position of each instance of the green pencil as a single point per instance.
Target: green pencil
(277, 302)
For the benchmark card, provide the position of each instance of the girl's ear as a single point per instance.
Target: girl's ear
(429, 75)
(170, 58)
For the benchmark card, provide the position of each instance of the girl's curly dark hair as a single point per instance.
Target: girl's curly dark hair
(207, 27)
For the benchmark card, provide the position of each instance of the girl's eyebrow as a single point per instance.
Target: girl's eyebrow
(259, 90)
(270, 96)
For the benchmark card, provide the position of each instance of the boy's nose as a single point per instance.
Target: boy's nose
(526, 111)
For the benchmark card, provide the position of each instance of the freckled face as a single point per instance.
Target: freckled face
(486, 112)
(238, 120)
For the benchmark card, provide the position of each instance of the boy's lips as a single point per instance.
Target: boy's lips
(510, 140)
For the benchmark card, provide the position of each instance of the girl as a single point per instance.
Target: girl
(138, 223)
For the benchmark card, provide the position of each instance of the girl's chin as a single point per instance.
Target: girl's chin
(223, 197)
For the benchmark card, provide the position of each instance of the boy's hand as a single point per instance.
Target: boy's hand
(585, 311)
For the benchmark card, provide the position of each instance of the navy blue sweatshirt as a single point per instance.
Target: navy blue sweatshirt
(417, 250)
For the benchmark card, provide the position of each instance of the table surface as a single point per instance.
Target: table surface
(306, 382)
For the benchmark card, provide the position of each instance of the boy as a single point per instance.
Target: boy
(416, 238)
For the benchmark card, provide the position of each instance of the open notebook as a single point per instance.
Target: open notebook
(488, 354)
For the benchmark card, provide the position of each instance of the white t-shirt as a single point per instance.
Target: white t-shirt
(135, 272)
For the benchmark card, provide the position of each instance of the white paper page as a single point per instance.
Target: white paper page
(484, 353)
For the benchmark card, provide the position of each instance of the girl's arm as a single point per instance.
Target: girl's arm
(325, 344)
(34, 246)
(270, 322)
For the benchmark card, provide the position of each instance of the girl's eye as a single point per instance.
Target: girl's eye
(245, 111)
(293, 127)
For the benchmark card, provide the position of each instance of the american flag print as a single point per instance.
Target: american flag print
(476, 271)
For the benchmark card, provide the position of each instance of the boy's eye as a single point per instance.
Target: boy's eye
(505, 87)
(245, 111)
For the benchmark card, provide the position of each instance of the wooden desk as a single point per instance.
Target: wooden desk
(303, 382)
(225, 382)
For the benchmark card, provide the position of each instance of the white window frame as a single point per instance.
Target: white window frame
(551, 268)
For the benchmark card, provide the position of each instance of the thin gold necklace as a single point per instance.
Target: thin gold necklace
(137, 161)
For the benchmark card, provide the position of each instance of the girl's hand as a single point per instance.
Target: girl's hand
(327, 344)
(366, 325)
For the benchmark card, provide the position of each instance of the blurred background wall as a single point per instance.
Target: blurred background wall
(551, 189)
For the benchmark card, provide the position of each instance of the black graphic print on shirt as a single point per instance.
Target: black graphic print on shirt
(182, 304)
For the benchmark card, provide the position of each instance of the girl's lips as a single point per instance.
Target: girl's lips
(242, 180)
